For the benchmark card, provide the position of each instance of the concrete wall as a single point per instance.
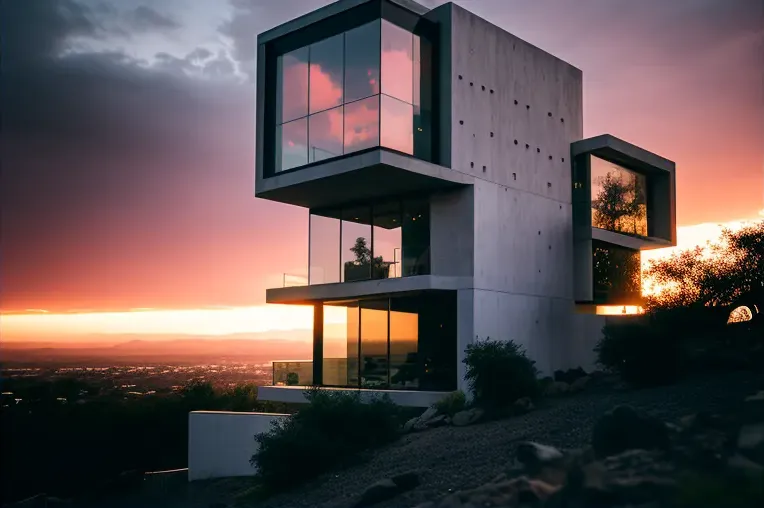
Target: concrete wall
(514, 110)
(220, 444)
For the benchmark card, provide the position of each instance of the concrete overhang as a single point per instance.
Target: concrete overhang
(375, 174)
(303, 295)
(660, 174)
(622, 152)
(328, 11)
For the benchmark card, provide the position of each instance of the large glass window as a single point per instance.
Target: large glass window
(324, 249)
(374, 343)
(326, 74)
(364, 88)
(378, 241)
(388, 224)
(362, 62)
(619, 201)
(356, 244)
(403, 343)
(617, 274)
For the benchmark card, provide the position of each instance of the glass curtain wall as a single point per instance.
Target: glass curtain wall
(619, 198)
(379, 241)
(401, 343)
(356, 90)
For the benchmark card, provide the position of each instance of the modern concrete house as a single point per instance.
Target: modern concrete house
(451, 197)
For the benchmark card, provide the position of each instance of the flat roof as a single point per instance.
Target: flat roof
(328, 11)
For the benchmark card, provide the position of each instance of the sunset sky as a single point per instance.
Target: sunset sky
(128, 146)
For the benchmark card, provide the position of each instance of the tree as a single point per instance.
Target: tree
(727, 273)
(359, 268)
(620, 204)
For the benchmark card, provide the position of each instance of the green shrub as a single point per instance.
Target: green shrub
(499, 373)
(329, 432)
(452, 403)
(641, 351)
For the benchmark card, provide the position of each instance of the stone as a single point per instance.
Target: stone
(406, 481)
(378, 492)
(430, 413)
(437, 421)
(409, 425)
(623, 429)
(745, 465)
(556, 389)
(467, 417)
(757, 397)
(523, 405)
(530, 454)
(580, 384)
(388, 488)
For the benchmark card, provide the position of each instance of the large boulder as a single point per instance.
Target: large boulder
(623, 428)
(388, 488)
(467, 417)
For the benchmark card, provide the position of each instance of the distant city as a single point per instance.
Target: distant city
(140, 368)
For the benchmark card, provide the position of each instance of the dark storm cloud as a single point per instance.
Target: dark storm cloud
(145, 18)
(102, 156)
(252, 17)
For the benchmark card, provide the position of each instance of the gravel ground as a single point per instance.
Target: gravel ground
(465, 457)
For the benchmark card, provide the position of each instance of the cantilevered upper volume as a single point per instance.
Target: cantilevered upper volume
(346, 110)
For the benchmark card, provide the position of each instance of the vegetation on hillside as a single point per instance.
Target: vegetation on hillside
(499, 373)
(685, 328)
(329, 432)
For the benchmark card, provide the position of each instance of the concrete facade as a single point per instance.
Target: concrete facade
(504, 229)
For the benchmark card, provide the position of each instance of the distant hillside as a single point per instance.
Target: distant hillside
(181, 350)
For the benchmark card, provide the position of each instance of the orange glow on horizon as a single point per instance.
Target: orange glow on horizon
(40, 324)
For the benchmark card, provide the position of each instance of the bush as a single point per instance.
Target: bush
(452, 403)
(329, 432)
(499, 373)
(641, 351)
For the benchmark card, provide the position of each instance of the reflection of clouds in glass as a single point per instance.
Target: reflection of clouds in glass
(293, 149)
(294, 85)
(325, 135)
(397, 125)
(397, 62)
(362, 124)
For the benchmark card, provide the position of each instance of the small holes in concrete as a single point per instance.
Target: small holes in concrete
(550, 157)
(473, 134)
(563, 159)
(461, 122)
(550, 247)
(460, 76)
(515, 141)
(492, 134)
(549, 185)
(514, 176)
(538, 150)
(472, 84)
(515, 103)
(483, 169)
(527, 146)
(539, 232)
(472, 164)
(527, 106)
(560, 207)
(549, 114)
(562, 120)
(482, 88)
(491, 90)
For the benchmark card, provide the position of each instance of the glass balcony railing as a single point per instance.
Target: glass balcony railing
(293, 373)
(294, 279)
